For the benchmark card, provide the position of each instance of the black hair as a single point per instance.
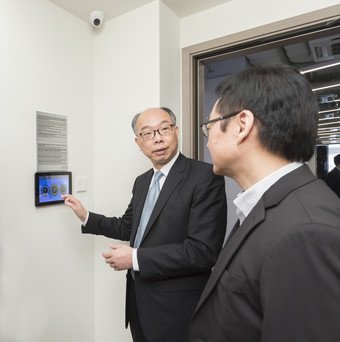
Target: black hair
(283, 104)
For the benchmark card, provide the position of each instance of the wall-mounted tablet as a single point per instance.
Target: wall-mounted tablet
(50, 186)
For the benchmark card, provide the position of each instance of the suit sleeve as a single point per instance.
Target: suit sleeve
(118, 228)
(205, 230)
(300, 286)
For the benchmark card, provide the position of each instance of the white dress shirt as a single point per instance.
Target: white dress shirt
(246, 200)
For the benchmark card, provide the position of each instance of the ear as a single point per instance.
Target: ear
(245, 122)
(176, 131)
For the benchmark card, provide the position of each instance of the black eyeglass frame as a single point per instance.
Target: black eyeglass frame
(204, 127)
(171, 126)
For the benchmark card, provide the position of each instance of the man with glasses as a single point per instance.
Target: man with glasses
(277, 278)
(175, 222)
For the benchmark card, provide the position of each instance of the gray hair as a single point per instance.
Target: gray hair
(169, 111)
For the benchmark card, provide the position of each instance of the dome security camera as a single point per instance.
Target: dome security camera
(96, 18)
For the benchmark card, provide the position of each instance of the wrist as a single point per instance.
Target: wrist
(83, 216)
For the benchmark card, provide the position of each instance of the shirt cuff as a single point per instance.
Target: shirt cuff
(135, 265)
(83, 223)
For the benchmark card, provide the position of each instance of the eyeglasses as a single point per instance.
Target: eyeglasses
(204, 125)
(150, 134)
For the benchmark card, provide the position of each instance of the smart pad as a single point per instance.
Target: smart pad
(49, 186)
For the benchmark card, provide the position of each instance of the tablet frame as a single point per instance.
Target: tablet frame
(51, 175)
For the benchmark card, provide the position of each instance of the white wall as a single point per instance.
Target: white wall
(126, 82)
(240, 15)
(169, 47)
(46, 266)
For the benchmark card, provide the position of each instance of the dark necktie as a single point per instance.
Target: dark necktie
(237, 224)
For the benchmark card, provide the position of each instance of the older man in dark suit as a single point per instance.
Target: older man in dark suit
(277, 278)
(175, 223)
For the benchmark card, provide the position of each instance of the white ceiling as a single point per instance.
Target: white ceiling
(114, 8)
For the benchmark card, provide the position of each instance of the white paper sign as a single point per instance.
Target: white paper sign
(51, 142)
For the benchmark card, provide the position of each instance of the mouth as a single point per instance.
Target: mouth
(160, 151)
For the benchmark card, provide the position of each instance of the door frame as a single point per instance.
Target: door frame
(192, 66)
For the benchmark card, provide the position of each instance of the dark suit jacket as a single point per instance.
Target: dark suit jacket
(278, 277)
(333, 180)
(181, 243)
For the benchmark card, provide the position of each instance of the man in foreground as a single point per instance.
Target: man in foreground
(277, 278)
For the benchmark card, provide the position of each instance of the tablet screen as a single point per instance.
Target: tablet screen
(50, 186)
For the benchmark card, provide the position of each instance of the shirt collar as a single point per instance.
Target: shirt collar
(167, 167)
(246, 200)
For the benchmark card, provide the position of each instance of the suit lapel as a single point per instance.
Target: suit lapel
(172, 180)
(139, 203)
(272, 197)
(232, 245)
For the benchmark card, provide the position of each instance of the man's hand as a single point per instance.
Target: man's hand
(119, 257)
(76, 206)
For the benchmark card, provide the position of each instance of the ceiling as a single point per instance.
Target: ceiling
(115, 8)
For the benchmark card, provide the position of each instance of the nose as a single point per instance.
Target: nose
(158, 137)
